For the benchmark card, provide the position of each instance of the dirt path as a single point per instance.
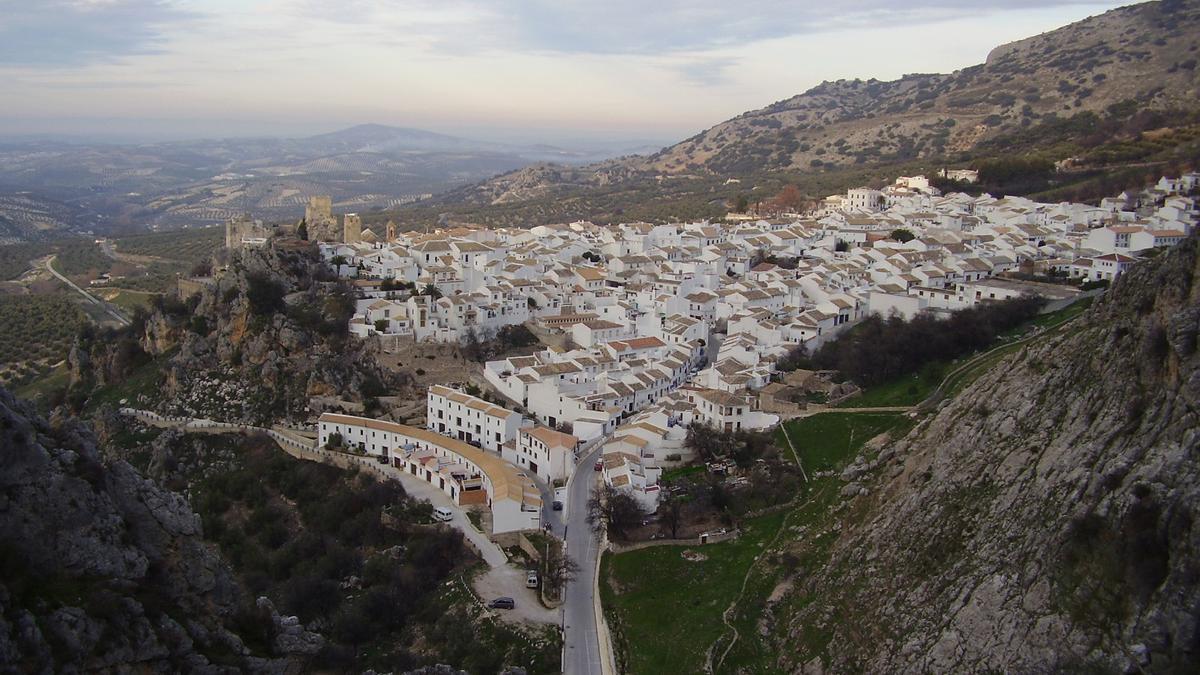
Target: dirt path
(795, 454)
(939, 393)
(728, 613)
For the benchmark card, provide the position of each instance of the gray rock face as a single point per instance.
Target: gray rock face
(102, 569)
(255, 367)
(1042, 521)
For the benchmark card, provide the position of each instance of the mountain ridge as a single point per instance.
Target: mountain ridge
(1144, 53)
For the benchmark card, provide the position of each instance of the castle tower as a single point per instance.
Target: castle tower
(322, 226)
(319, 209)
(352, 228)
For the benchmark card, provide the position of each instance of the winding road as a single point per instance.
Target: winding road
(501, 578)
(104, 306)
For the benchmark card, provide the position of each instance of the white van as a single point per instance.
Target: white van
(443, 514)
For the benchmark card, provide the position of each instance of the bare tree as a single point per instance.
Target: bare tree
(558, 570)
(671, 512)
(611, 508)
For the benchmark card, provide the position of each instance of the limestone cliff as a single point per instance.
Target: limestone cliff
(100, 569)
(1044, 520)
(269, 333)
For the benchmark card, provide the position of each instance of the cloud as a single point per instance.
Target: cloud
(666, 26)
(66, 33)
(661, 67)
(706, 72)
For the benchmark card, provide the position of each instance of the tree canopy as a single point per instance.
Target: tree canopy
(878, 350)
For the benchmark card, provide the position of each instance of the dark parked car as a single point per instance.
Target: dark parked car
(557, 505)
(503, 603)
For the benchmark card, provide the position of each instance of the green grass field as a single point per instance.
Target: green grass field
(909, 390)
(125, 299)
(46, 382)
(145, 379)
(825, 441)
(667, 609)
(750, 653)
(682, 472)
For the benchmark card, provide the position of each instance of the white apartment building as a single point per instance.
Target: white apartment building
(453, 413)
(468, 475)
(724, 410)
(627, 473)
(865, 199)
(548, 453)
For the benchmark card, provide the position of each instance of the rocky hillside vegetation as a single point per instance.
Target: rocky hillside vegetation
(1044, 520)
(1144, 53)
(267, 335)
(100, 569)
(1113, 92)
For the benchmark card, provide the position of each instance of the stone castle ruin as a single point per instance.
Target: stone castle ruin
(245, 231)
(319, 220)
(322, 224)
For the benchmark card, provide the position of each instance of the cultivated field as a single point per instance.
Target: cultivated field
(35, 333)
(191, 245)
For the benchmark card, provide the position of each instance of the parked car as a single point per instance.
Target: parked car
(443, 514)
(599, 465)
(503, 603)
(382, 459)
(531, 579)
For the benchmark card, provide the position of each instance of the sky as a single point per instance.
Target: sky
(528, 70)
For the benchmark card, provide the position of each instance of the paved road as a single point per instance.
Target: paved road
(580, 632)
(549, 515)
(108, 309)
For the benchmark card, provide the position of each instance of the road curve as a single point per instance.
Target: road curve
(108, 309)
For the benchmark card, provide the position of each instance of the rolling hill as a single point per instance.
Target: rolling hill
(48, 187)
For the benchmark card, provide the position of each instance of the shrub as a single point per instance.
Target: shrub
(878, 350)
(264, 294)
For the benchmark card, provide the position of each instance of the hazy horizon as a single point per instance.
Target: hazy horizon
(566, 72)
(123, 132)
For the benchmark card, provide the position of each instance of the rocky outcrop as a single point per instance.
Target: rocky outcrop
(1044, 520)
(104, 570)
(254, 346)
